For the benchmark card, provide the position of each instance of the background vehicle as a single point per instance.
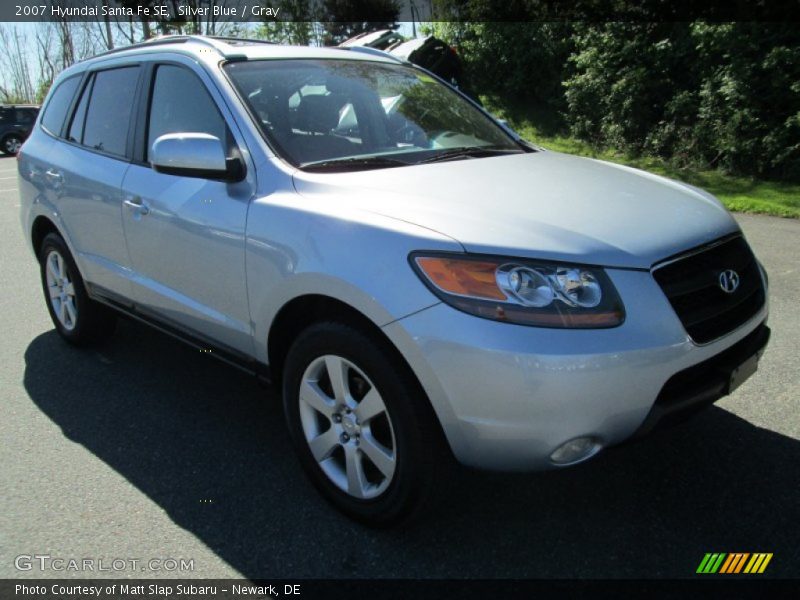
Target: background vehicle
(381, 39)
(16, 121)
(428, 52)
(421, 283)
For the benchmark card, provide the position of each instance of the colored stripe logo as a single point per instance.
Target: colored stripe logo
(734, 562)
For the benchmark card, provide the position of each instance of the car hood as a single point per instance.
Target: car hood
(543, 205)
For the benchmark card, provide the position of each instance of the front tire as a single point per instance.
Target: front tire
(363, 429)
(77, 318)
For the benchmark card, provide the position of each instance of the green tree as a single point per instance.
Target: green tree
(721, 94)
(42, 89)
(296, 26)
(748, 117)
(626, 78)
(517, 67)
(702, 93)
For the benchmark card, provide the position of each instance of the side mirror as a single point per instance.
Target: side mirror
(194, 155)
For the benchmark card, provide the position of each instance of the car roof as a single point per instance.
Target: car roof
(36, 106)
(214, 49)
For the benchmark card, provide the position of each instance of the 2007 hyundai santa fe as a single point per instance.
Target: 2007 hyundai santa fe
(422, 283)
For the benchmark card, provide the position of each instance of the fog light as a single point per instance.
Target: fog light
(575, 451)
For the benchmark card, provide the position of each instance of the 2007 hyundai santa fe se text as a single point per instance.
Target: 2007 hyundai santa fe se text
(420, 282)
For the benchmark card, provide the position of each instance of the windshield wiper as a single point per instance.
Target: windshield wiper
(473, 152)
(354, 163)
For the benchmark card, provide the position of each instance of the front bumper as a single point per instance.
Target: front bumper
(699, 386)
(507, 396)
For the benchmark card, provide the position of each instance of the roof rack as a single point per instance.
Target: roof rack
(209, 40)
(156, 41)
(237, 40)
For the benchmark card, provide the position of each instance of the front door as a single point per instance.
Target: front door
(186, 235)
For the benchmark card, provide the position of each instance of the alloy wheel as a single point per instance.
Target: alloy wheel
(347, 427)
(61, 290)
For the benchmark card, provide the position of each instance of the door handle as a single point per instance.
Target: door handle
(54, 176)
(136, 204)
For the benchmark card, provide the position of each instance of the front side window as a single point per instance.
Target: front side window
(109, 111)
(319, 111)
(181, 104)
(58, 105)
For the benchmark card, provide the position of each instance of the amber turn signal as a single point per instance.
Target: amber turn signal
(462, 277)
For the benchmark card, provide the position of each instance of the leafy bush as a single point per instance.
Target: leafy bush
(724, 95)
(517, 66)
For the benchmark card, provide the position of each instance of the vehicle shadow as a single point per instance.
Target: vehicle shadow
(184, 428)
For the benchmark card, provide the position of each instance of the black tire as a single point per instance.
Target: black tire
(8, 142)
(93, 322)
(422, 458)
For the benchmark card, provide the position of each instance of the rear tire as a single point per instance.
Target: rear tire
(78, 319)
(367, 437)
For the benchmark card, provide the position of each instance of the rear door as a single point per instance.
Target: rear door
(186, 235)
(84, 174)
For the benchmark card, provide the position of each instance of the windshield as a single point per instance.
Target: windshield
(363, 114)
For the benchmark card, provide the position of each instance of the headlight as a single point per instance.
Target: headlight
(527, 292)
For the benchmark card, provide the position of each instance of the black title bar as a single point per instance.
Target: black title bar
(712, 586)
(366, 11)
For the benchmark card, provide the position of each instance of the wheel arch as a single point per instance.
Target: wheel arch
(303, 311)
(43, 225)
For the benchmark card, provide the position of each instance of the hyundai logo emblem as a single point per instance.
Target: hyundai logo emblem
(729, 281)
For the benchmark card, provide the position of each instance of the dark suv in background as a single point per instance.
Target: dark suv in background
(16, 121)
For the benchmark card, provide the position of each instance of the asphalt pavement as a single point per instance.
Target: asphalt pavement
(145, 448)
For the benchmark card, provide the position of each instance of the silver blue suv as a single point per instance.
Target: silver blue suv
(421, 283)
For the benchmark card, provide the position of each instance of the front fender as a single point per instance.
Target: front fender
(299, 246)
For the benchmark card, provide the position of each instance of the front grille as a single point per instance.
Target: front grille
(692, 287)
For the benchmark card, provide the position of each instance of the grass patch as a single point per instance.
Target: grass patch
(740, 194)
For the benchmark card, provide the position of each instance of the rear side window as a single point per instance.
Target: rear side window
(181, 104)
(57, 107)
(109, 111)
